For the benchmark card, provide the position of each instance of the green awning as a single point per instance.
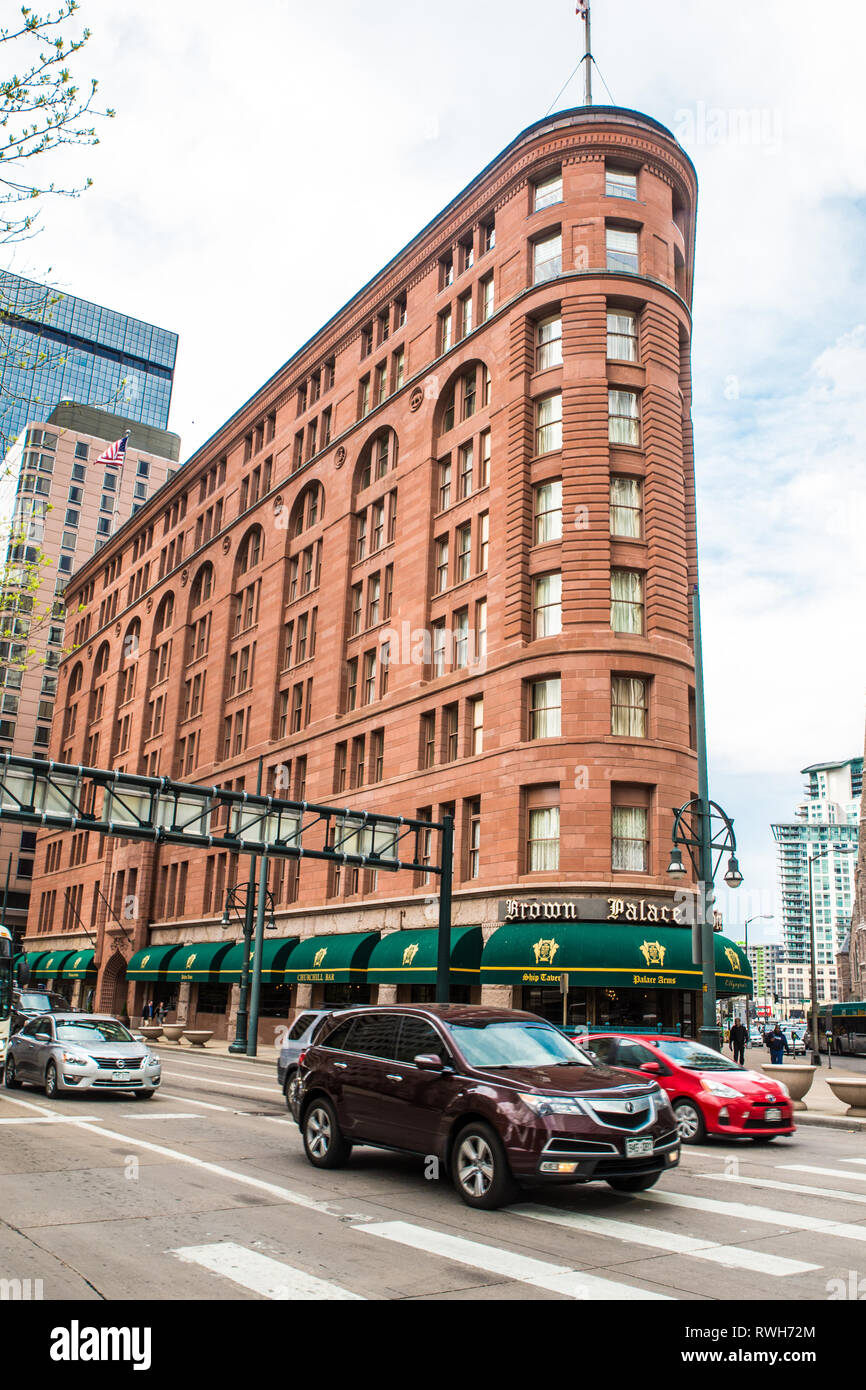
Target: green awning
(33, 958)
(407, 957)
(339, 959)
(79, 964)
(151, 962)
(50, 965)
(199, 961)
(602, 953)
(275, 952)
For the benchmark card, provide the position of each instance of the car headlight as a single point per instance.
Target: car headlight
(662, 1101)
(718, 1088)
(782, 1087)
(151, 1060)
(75, 1058)
(552, 1105)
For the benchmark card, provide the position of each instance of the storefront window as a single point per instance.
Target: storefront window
(346, 994)
(275, 1001)
(212, 999)
(547, 1003)
(426, 994)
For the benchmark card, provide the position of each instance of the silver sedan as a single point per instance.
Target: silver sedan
(81, 1052)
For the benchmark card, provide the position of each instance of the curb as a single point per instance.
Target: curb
(852, 1123)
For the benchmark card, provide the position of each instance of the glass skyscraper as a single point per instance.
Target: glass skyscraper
(55, 347)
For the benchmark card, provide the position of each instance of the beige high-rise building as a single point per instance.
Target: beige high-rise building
(57, 504)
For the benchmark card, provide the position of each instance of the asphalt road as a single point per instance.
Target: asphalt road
(204, 1193)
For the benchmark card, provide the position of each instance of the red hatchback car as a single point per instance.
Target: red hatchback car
(710, 1094)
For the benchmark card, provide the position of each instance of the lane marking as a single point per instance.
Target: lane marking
(770, 1215)
(263, 1275)
(825, 1172)
(206, 1104)
(283, 1194)
(778, 1186)
(852, 1160)
(523, 1269)
(272, 1091)
(186, 1058)
(672, 1242)
(156, 1115)
(46, 1119)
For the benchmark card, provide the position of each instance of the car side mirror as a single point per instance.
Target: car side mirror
(138, 1037)
(428, 1061)
(653, 1068)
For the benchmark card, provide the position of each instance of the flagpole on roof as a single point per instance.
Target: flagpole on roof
(583, 11)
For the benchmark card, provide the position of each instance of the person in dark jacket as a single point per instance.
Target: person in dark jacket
(739, 1037)
(778, 1045)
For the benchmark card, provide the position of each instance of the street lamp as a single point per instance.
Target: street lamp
(241, 900)
(813, 970)
(762, 917)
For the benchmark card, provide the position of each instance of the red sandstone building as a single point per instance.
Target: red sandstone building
(440, 562)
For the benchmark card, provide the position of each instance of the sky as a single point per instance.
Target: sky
(266, 160)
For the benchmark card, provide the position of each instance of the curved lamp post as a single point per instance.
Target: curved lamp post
(241, 901)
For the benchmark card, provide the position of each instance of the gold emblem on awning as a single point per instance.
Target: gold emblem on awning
(410, 953)
(733, 958)
(319, 957)
(189, 961)
(653, 952)
(545, 950)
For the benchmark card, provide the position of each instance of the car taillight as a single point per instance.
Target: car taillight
(301, 1058)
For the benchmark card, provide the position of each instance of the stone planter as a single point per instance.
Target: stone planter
(198, 1036)
(797, 1079)
(851, 1090)
(151, 1031)
(173, 1031)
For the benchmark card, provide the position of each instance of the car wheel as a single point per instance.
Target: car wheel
(690, 1122)
(143, 1095)
(639, 1183)
(11, 1077)
(51, 1085)
(324, 1144)
(287, 1084)
(480, 1169)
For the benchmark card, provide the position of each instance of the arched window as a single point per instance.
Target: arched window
(465, 393)
(129, 661)
(100, 665)
(97, 694)
(164, 615)
(308, 509)
(75, 679)
(202, 585)
(378, 457)
(250, 550)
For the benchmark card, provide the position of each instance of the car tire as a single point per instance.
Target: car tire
(10, 1077)
(690, 1122)
(479, 1168)
(324, 1143)
(290, 1076)
(52, 1086)
(143, 1095)
(638, 1183)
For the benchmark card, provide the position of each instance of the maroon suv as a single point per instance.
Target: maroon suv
(500, 1098)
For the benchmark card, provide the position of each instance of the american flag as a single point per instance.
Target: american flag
(115, 453)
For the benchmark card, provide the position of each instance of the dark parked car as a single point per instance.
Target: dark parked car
(33, 1001)
(500, 1098)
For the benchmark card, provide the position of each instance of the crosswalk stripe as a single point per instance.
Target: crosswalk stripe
(262, 1275)
(825, 1172)
(769, 1215)
(510, 1265)
(777, 1185)
(673, 1242)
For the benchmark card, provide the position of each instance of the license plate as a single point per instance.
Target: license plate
(772, 1115)
(120, 1076)
(638, 1148)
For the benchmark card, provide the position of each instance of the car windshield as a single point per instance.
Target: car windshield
(93, 1030)
(519, 1044)
(693, 1055)
(40, 1002)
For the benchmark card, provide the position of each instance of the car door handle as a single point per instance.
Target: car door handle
(393, 1076)
(341, 1065)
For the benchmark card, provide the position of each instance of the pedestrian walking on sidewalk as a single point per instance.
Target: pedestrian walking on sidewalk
(778, 1045)
(739, 1037)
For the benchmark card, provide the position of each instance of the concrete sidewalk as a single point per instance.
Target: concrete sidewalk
(822, 1107)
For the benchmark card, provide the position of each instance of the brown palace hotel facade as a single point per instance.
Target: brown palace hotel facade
(440, 562)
